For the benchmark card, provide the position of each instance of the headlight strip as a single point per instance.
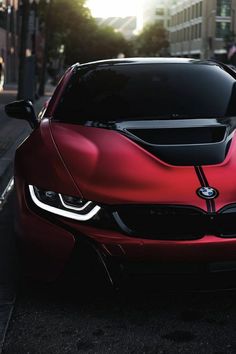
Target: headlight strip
(62, 212)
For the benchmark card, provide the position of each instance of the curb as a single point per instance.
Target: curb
(7, 291)
(7, 160)
(5, 317)
(6, 192)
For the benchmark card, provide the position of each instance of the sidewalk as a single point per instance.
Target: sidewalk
(12, 133)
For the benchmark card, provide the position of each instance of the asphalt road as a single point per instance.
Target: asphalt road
(8, 267)
(71, 318)
(12, 133)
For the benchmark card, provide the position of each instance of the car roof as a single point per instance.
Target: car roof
(139, 60)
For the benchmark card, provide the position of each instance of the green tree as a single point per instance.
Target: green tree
(152, 41)
(97, 43)
(70, 23)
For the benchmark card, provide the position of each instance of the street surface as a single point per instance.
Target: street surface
(71, 318)
(8, 267)
(12, 133)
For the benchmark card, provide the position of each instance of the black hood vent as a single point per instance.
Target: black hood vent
(182, 142)
(179, 136)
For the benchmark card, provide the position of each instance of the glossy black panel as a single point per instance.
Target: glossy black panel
(112, 92)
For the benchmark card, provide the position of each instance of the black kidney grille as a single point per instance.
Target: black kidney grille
(174, 222)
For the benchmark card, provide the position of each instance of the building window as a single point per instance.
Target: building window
(3, 19)
(192, 12)
(196, 10)
(223, 8)
(192, 32)
(200, 9)
(222, 29)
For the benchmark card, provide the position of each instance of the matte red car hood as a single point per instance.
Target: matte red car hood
(110, 168)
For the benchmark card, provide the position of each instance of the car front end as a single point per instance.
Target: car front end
(148, 194)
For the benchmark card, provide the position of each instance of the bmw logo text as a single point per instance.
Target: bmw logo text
(207, 192)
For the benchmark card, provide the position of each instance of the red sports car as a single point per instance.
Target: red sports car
(136, 158)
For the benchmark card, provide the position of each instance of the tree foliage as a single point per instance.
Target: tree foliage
(70, 24)
(152, 41)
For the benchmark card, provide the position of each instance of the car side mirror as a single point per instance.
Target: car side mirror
(22, 110)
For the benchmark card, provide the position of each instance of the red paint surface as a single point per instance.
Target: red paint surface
(110, 168)
(105, 166)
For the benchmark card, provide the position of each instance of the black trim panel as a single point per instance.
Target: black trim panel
(178, 142)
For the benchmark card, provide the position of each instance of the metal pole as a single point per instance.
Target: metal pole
(46, 50)
(233, 19)
(25, 10)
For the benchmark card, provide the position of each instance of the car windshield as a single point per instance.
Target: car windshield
(107, 93)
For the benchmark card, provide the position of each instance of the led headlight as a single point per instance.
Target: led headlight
(68, 206)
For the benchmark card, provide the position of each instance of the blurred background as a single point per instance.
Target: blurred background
(40, 38)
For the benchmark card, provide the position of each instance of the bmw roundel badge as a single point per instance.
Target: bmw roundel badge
(207, 192)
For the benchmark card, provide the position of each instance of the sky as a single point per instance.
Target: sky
(107, 8)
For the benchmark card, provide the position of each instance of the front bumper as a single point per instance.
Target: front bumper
(48, 244)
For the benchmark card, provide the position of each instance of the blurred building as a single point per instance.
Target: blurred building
(8, 40)
(153, 10)
(202, 28)
(10, 26)
(124, 25)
